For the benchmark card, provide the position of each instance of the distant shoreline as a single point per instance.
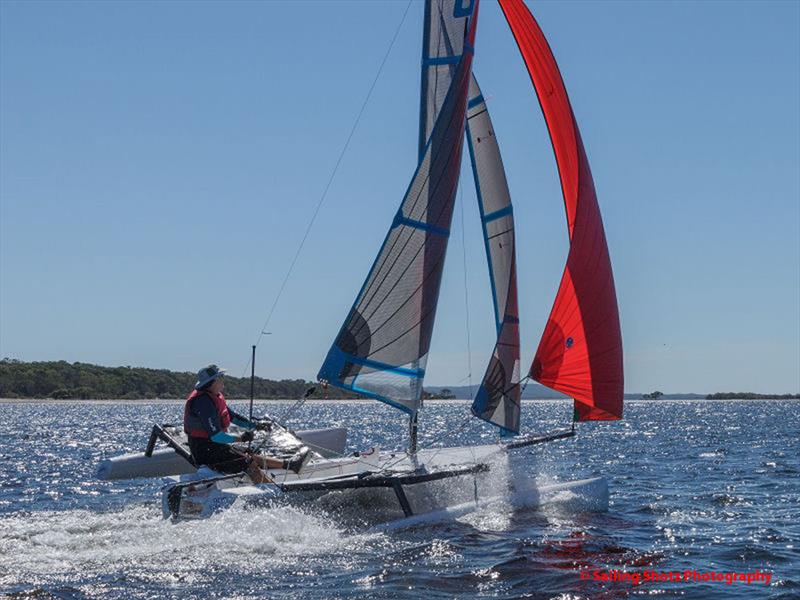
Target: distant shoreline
(60, 380)
(358, 400)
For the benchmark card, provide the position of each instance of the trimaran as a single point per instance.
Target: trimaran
(382, 347)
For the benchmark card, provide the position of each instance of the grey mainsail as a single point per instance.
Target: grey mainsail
(382, 348)
(498, 398)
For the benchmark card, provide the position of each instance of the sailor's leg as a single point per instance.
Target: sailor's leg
(252, 464)
(267, 462)
(295, 463)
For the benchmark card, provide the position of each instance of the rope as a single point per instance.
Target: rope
(262, 331)
(298, 403)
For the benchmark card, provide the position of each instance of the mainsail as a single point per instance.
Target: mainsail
(580, 353)
(498, 398)
(382, 348)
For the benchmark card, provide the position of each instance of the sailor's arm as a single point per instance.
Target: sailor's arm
(240, 420)
(209, 417)
(263, 423)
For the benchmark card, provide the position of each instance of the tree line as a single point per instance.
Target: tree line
(726, 396)
(750, 396)
(64, 380)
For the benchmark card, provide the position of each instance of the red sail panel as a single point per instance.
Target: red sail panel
(580, 353)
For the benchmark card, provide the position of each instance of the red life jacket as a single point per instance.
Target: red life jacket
(191, 423)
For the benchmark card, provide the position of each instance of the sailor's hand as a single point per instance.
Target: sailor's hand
(247, 436)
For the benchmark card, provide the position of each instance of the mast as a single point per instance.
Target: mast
(252, 387)
(413, 421)
(252, 380)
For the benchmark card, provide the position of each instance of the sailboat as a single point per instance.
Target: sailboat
(382, 347)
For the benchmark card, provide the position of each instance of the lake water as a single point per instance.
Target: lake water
(697, 488)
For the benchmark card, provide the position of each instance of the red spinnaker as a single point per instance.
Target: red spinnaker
(580, 353)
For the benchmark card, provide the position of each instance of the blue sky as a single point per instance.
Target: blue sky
(159, 162)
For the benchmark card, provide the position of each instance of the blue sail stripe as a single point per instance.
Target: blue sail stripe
(497, 214)
(441, 60)
(373, 395)
(401, 220)
(475, 101)
(463, 11)
(381, 366)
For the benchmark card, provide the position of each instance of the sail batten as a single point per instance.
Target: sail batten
(498, 398)
(580, 352)
(382, 347)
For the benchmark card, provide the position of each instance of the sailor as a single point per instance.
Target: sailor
(206, 418)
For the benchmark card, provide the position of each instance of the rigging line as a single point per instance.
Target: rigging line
(521, 384)
(524, 383)
(298, 403)
(333, 174)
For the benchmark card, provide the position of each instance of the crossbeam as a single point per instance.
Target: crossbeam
(159, 433)
(540, 440)
(371, 480)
